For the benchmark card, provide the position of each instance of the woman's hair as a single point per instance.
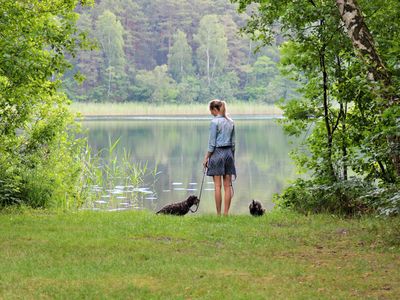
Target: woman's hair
(220, 106)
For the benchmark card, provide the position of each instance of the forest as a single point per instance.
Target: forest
(173, 52)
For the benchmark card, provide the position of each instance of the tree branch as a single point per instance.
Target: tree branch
(312, 2)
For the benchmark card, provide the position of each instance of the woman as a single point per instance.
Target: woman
(219, 158)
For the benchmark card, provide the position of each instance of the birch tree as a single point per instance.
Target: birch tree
(109, 33)
(212, 52)
(180, 57)
(364, 45)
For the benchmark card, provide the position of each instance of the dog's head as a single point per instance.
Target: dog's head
(193, 200)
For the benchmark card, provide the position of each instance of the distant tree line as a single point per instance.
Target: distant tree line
(170, 51)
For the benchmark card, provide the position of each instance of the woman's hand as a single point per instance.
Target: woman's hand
(205, 162)
(206, 158)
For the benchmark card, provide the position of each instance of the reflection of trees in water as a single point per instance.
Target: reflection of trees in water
(177, 148)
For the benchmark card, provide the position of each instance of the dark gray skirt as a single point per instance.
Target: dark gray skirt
(221, 162)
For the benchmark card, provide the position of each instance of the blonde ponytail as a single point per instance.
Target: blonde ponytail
(224, 111)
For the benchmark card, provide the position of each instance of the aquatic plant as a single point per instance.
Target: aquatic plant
(112, 179)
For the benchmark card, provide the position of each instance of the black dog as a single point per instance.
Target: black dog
(256, 208)
(180, 208)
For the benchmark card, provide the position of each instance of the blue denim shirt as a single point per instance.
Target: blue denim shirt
(222, 133)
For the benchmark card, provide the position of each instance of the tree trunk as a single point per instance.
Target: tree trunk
(364, 44)
(208, 66)
(109, 83)
(329, 132)
(362, 39)
(342, 119)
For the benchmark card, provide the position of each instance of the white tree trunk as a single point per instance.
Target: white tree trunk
(362, 39)
(364, 44)
(208, 66)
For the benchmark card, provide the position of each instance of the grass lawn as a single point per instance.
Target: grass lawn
(138, 255)
(145, 109)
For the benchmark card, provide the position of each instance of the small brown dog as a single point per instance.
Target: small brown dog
(256, 208)
(180, 208)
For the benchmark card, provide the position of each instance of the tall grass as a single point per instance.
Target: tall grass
(138, 109)
(109, 175)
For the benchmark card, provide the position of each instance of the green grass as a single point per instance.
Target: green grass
(138, 255)
(140, 109)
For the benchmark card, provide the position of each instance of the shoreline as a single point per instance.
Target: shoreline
(170, 117)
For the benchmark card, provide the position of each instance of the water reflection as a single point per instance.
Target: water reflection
(175, 148)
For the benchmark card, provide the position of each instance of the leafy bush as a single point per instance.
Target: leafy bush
(40, 167)
(347, 197)
(385, 200)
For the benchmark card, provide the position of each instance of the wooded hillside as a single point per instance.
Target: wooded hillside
(176, 51)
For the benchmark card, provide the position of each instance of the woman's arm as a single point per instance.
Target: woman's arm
(212, 139)
(233, 140)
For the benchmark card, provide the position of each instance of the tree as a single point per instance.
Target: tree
(180, 57)
(212, 52)
(165, 18)
(364, 44)
(109, 33)
(86, 63)
(259, 77)
(340, 110)
(160, 87)
(38, 148)
(136, 31)
(189, 90)
(237, 45)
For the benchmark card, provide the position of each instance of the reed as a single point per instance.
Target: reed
(145, 109)
(111, 174)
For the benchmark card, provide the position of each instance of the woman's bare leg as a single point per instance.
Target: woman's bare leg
(217, 193)
(227, 193)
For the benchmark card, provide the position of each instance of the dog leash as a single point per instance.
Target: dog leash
(201, 190)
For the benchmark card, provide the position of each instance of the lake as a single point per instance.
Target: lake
(175, 147)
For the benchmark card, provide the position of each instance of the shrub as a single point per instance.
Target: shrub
(40, 167)
(347, 197)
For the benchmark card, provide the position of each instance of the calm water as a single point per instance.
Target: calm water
(176, 147)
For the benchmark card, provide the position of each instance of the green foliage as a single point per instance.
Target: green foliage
(158, 85)
(266, 84)
(212, 51)
(150, 34)
(109, 32)
(180, 57)
(350, 197)
(345, 123)
(38, 165)
(189, 90)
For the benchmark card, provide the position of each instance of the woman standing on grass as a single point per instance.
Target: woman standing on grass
(220, 157)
